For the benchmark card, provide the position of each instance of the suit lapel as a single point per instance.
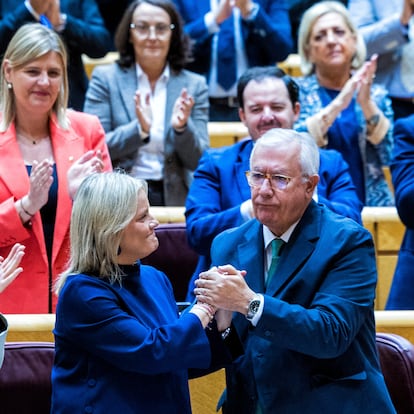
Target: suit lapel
(126, 79)
(68, 147)
(12, 168)
(251, 256)
(297, 250)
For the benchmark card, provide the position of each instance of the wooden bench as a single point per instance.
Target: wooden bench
(205, 391)
(387, 231)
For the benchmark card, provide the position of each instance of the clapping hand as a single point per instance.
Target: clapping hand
(9, 269)
(41, 178)
(90, 163)
(182, 110)
(143, 111)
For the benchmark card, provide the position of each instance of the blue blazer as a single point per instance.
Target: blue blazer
(123, 348)
(84, 33)
(402, 170)
(110, 96)
(313, 349)
(220, 186)
(267, 37)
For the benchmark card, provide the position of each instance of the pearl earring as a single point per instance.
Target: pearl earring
(9, 85)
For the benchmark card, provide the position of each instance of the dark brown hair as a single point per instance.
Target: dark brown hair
(179, 54)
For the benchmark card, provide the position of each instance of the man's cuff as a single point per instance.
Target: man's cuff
(210, 22)
(253, 13)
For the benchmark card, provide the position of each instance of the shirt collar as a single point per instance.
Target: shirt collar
(165, 75)
(268, 236)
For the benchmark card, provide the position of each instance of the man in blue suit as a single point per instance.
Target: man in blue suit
(402, 170)
(229, 37)
(306, 325)
(77, 21)
(219, 197)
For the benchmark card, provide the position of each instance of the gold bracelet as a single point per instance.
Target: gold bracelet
(25, 211)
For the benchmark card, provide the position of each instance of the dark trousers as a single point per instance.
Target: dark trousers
(222, 111)
(402, 107)
(156, 193)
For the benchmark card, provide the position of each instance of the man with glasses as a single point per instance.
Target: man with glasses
(306, 325)
(219, 197)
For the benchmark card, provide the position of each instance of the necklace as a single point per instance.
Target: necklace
(32, 140)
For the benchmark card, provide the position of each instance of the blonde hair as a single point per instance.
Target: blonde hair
(30, 42)
(103, 207)
(305, 28)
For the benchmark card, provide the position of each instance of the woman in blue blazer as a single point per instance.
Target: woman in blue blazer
(120, 344)
(402, 171)
(153, 111)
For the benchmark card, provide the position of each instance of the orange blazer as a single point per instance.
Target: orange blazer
(31, 292)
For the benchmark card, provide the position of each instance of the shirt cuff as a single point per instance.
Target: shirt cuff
(210, 22)
(253, 13)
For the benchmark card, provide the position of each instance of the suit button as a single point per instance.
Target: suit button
(91, 382)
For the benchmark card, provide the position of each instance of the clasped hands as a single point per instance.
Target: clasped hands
(225, 289)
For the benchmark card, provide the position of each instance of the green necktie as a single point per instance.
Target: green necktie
(276, 245)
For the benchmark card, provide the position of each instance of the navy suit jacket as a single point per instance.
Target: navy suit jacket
(313, 349)
(402, 171)
(84, 33)
(220, 186)
(267, 37)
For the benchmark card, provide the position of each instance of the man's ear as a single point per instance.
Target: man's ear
(296, 111)
(242, 116)
(311, 184)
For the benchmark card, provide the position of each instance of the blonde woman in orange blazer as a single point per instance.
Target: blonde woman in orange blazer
(45, 152)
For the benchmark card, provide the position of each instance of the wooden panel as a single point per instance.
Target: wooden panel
(90, 63)
(225, 133)
(291, 65)
(398, 322)
(34, 327)
(168, 214)
(390, 235)
(206, 391)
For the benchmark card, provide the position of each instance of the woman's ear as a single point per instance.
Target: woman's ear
(7, 70)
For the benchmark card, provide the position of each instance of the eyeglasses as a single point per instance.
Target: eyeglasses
(144, 29)
(277, 181)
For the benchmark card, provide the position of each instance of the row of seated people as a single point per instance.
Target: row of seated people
(101, 194)
(255, 83)
(216, 29)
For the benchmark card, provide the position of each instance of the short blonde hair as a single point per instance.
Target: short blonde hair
(307, 22)
(103, 207)
(30, 42)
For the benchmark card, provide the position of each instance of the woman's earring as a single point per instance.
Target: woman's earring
(9, 85)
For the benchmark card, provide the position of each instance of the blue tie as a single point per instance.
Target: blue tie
(45, 21)
(226, 54)
(276, 246)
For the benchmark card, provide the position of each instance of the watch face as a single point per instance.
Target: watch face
(253, 308)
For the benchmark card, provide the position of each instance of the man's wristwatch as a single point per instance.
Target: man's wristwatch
(253, 307)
